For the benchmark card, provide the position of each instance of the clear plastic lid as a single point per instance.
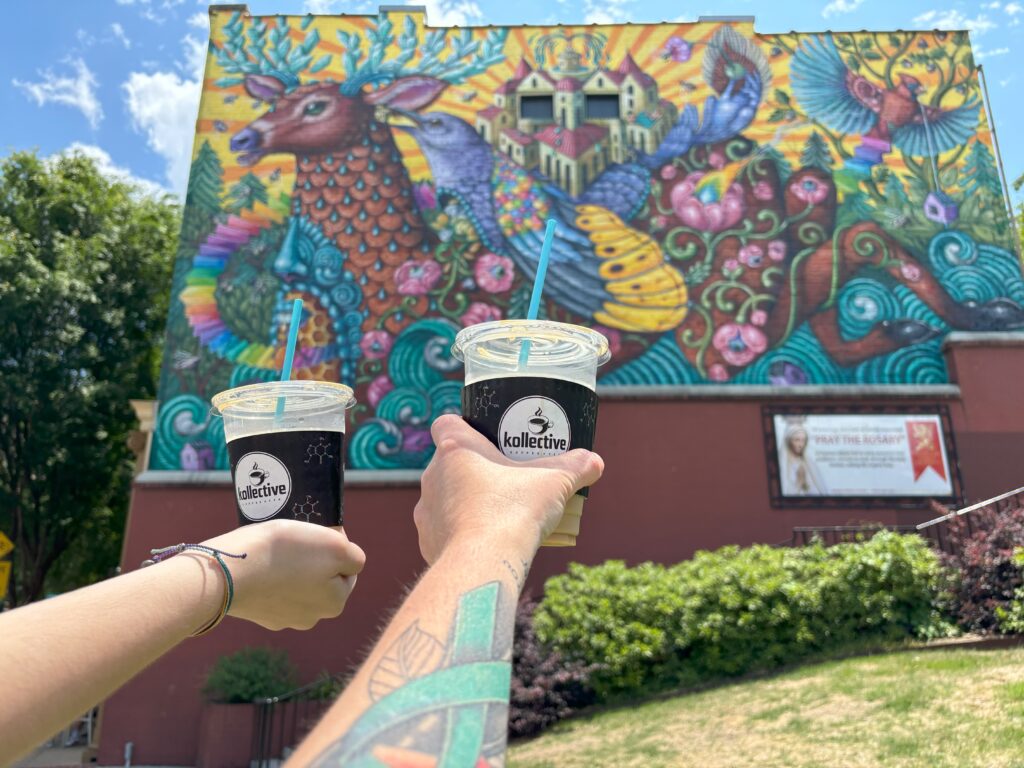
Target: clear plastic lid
(558, 350)
(260, 400)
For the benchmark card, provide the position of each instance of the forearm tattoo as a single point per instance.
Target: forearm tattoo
(439, 703)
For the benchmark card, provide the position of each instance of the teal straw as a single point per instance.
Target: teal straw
(289, 352)
(538, 285)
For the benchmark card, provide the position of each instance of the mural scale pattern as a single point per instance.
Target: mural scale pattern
(733, 208)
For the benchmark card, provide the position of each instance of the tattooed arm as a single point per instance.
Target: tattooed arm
(434, 691)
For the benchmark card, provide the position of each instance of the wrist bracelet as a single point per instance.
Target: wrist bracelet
(218, 555)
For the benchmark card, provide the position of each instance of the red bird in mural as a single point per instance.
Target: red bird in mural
(847, 102)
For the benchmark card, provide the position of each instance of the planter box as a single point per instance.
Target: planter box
(225, 735)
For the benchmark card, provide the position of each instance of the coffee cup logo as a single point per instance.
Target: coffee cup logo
(534, 427)
(262, 485)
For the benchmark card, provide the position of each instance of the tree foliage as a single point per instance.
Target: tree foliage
(84, 270)
(816, 153)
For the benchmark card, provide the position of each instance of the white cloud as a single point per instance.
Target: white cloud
(125, 2)
(837, 7)
(980, 53)
(119, 34)
(321, 7)
(199, 20)
(163, 106)
(447, 13)
(995, 5)
(105, 165)
(78, 91)
(606, 11)
(85, 38)
(953, 19)
(1006, 81)
(598, 16)
(1014, 8)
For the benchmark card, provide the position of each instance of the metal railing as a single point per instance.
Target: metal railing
(283, 721)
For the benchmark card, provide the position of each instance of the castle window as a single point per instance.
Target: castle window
(602, 107)
(537, 108)
(629, 89)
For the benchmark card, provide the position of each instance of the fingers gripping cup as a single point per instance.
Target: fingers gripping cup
(538, 403)
(286, 445)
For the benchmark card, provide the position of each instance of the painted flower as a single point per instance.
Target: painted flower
(377, 389)
(376, 344)
(730, 266)
(910, 272)
(758, 317)
(717, 372)
(739, 344)
(659, 222)
(613, 336)
(478, 312)
(810, 189)
(415, 278)
(763, 190)
(424, 196)
(494, 273)
(707, 210)
(416, 439)
(668, 172)
(677, 49)
(784, 374)
(716, 160)
(752, 255)
(776, 250)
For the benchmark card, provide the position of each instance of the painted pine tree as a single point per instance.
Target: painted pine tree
(983, 209)
(202, 198)
(816, 153)
(980, 171)
(245, 193)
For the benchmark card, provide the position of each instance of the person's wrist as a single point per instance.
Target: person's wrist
(515, 541)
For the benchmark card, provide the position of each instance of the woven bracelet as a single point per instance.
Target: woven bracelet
(229, 583)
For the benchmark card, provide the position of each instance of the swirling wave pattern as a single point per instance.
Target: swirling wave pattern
(863, 303)
(663, 363)
(919, 364)
(184, 420)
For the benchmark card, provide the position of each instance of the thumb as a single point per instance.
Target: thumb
(583, 467)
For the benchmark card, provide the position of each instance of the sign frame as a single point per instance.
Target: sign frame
(779, 501)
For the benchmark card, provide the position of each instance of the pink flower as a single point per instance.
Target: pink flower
(752, 255)
(478, 312)
(759, 317)
(668, 172)
(716, 160)
(659, 222)
(730, 265)
(717, 372)
(809, 189)
(494, 273)
(376, 344)
(763, 190)
(677, 50)
(377, 389)
(707, 210)
(739, 344)
(910, 271)
(424, 196)
(415, 278)
(776, 250)
(613, 336)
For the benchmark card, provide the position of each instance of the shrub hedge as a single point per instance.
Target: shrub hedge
(250, 674)
(736, 610)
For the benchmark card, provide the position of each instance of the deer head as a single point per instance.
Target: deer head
(320, 117)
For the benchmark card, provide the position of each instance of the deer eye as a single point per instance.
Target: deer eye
(434, 123)
(314, 108)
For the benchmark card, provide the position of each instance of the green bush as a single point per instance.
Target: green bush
(737, 610)
(250, 674)
(1011, 620)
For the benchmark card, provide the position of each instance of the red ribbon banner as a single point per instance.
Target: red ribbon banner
(925, 450)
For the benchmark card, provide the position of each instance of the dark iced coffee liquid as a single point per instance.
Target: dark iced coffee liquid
(291, 475)
(529, 417)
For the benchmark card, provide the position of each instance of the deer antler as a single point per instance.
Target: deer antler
(267, 51)
(468, 57)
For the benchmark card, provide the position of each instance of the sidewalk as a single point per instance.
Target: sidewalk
(59, 757)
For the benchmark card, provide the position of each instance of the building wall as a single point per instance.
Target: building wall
(686, 471)
(816, 244)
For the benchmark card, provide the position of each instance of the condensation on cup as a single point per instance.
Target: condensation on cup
(286, 445)
(542, 405)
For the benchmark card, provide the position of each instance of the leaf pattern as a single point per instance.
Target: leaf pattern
(414, 654)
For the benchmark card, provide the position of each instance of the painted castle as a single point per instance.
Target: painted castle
(571, 121)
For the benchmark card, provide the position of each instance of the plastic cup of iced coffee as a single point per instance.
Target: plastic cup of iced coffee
(286, 446)
(542, 402)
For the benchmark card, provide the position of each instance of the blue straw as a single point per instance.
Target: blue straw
(289, 351)
(538, 285)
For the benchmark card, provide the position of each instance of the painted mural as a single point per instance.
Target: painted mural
(733, 208)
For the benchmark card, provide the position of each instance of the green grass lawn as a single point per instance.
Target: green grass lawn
(930, 709)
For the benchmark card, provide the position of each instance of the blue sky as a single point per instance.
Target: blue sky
(119, 79)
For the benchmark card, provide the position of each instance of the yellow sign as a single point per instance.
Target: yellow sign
(5, 544)
(5, 575)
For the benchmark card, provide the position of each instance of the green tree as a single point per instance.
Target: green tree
(816, 153)
(248, 191)
(202, 198)
(84, 279)
(980, 172)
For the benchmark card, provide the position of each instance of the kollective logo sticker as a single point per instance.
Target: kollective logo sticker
(262, 485)
(534, 427)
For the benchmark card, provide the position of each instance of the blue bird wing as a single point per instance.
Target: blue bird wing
(821, 84)
(621, 188)
(936, 130)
